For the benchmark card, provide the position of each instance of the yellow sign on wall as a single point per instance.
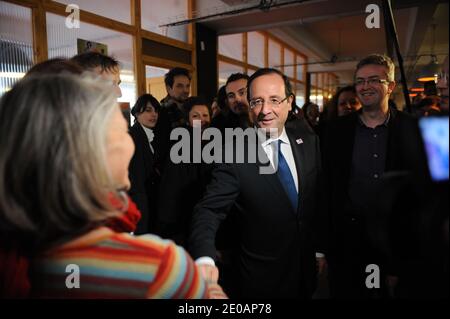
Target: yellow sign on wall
(91, 46)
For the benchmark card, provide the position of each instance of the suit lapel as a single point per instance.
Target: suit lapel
(271, 179)
(298, 151)
(393, 140)
(299, 159)
(143, 140)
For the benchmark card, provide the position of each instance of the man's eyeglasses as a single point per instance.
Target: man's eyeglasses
(274, 102)
(370, 82)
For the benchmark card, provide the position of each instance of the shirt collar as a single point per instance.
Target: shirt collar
(148, 132)
(283, 138)
(385, 123)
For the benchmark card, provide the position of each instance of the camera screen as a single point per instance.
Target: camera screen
(436, 139)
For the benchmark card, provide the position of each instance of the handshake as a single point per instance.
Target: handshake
(210, 274)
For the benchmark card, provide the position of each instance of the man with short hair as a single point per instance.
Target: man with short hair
(236, 89)
(275, 212)
(178, 86)
(105, 66)
(234, 115)
(237, 114)
(172, 115)
(360, 152)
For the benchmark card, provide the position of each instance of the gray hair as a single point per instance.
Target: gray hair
(54, 181)
(379, 59)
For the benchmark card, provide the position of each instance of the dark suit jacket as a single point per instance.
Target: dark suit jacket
(144, 179)
(181, 187)
(352, 236)
(169, 118)
(277, 246)
(230, 120)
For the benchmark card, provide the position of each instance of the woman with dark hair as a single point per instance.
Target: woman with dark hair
(197, 112)
(312, 114)
(183, 181)
(219, 105)
(143, 171)
(344, 102)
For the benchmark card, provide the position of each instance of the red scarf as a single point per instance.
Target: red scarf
(14, 281)
(127, 222)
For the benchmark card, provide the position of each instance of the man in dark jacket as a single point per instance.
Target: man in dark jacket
(361, 151)
(275, 212)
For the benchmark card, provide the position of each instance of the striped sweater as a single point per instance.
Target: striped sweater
(118, 265)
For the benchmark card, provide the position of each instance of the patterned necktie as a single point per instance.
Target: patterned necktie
(285, 176)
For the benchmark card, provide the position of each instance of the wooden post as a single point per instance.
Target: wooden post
(39, 24)
(139, 67)
(244, 51)
(192, 38)
(266, 50)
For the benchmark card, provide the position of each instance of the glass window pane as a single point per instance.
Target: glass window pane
(118, 10)
(16, 44)
(274, 54)
(320, 80)
(155, 81)
(154, 14)
(255, 50)
(319, 99)
(225, 70)
(62, 42)
(300, 94)
(300, 67)
(314, 79)
(288, 62)
(325, 81)
(231, 46)
(313, 96)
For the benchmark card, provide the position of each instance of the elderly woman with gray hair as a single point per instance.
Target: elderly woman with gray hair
(65, 152)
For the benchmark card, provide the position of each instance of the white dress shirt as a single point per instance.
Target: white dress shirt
(150, 136)
(269, 146)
